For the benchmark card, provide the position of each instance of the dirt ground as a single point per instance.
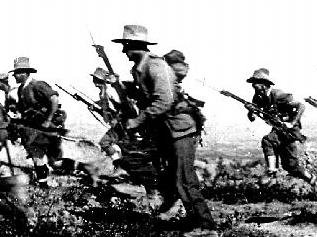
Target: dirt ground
(242, 202)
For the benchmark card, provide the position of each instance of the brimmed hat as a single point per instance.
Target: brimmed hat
(4, 82)
(22, 64)
(4, 77)
(100, 73)
(136, 33)
(260, 76)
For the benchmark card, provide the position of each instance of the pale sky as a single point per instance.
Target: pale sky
(224, 41)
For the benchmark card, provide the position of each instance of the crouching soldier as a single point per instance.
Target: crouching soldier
(276, 144)
(40, 114)
(109, 103)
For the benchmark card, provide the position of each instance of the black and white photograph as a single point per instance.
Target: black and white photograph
(171, 118)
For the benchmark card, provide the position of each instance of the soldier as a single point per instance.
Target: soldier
(10, 95)
(4, 86)
(276, 145)
(176, 60)
(108, 109)
(13, 185)
(174, 132)
(39, 109)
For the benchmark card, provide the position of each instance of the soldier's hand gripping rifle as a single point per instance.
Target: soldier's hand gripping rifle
(272, 119)
(311, 101)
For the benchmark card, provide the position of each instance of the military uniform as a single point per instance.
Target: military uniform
(34, 104)
(35, 97)
(114, 134)
(175, 137)
(280, 142)
(276, 143)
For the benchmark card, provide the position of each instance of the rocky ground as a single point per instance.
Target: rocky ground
(244, 202)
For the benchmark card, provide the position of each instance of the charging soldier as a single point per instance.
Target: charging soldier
(174, 132)
(276, 145)
(39, 109)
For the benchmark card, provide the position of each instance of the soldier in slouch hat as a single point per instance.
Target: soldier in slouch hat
(276, 146)
(174, 133)
(38, 105)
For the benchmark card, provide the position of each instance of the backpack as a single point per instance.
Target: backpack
(193, 107)
(176, 60)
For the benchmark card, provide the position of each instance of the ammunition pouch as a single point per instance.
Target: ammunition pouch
(59, 118)
(34, 118)
(38, 116)
(188, 107)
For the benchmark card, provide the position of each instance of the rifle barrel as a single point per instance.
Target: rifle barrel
(258, 110)
(78, 97)
(268, 118)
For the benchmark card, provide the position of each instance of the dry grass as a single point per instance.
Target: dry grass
(73, 208)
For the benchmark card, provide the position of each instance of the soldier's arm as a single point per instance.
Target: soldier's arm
(162, 95)
(54, 107)
(300, 108)
(249, 107)
(45, 92)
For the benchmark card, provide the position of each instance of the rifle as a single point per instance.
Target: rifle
(78, 97)
(17, 126)
(91, 106)
(128, 106)
(289, 133)
(311, 101)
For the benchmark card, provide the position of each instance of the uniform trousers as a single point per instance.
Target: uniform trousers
(275, 143)
(179, 179)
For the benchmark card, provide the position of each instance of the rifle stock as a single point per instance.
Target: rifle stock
(101, 53)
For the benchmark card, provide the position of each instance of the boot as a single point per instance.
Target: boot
(42, 173)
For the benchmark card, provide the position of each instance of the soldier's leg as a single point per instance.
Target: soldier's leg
(269, 144)
(290, 162)
(54, 151)
(108, 138)
(108, 145)
(37, 153)
(188, 185)
(71, 166)
(41, 170)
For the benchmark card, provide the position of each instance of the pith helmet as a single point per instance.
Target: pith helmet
(261, 76)
(22, 64)
(134, 33)
(100, 73)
